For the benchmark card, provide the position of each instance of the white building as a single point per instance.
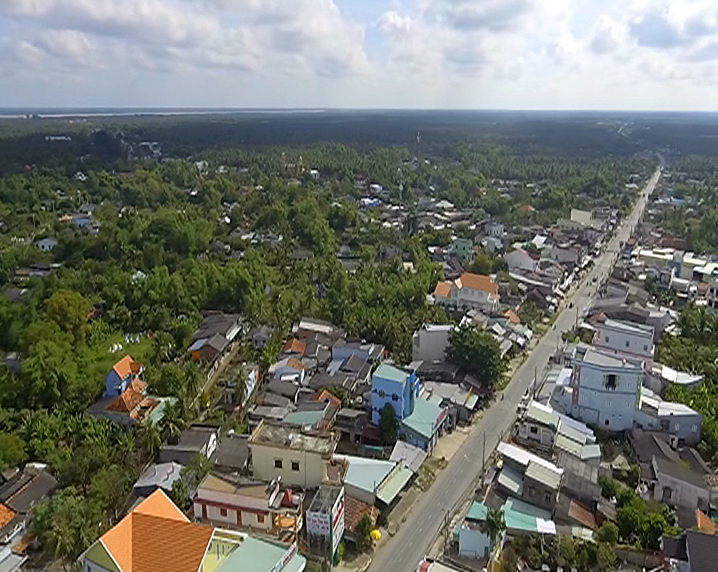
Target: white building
(604, 389)
(469, 291)
(430, 342)
(627, 339)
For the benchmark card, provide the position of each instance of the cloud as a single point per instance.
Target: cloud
(494, 15)
(608, 36)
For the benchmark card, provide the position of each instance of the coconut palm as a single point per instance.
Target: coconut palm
(494, 525)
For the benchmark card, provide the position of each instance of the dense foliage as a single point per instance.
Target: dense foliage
(478, 353)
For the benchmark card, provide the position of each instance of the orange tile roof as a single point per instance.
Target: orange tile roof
(325, 395)
(138, 386)
(126, 401)
(477, 282)
(512, 316)
(295, 363)
(157, 537)
(526, 208)
(704, 523)
(6, 514)
(294, 346)
(581, 515)
(443, 289)
(126, 367)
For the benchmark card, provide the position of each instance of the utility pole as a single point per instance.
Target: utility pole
(483, 462)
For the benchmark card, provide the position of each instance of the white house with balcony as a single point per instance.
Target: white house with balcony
(625, 339)
(469, 291)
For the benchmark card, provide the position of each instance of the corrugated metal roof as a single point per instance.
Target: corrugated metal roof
(477, 511)
(542, 414)
(393, 485)
(511, 481)
(544, 475)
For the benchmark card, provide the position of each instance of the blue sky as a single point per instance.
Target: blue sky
(515, 54)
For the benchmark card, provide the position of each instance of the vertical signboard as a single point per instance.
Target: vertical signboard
(337, 521)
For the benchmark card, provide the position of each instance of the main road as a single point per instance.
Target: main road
(405, 550)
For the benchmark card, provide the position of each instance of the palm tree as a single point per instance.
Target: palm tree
(494, 525)
(172, 423)
(150, 438)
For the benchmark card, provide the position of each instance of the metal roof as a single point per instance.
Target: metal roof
(394, 483)
(548, 477)
(511, 481)
(542, 414)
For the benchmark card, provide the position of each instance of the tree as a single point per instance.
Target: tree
(607, 532)
(180, 494)
(362, 532)
(150, 438)
(69, 310)
(12, 451)
(478, 353)
(388, 425)
(605, 558)
(494, 524)
(509, 559)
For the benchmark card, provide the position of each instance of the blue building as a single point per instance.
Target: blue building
(122, 374)
(396, 386)
(423, 427)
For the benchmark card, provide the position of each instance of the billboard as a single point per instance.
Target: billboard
(337, 521)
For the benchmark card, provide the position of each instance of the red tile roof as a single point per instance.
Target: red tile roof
(324, 396)
(126, 401)
(294, 346)
(477, 282)
(581, 515)
(512, 316)
(354, 510)
(126, 367)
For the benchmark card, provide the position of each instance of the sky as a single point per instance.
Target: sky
(429, 54)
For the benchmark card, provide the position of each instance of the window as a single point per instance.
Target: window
(533, 429)
(610, 381)
(277, 463)
(645, 348)
(678, 427)
(260, 518)
(394, 397)
(382, 394)
(606, 422)
(606, 338)
(628, 344)
(295, 465)
(547, 498)
(694, 428)
(223, 511)
(532, 491)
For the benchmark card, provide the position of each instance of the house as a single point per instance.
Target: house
(355, 510)
(261, 336)
(312, 414)
(326, 519)
(692, 551)
(18, 497)
(461, 402)
(522, 518)
(677, 419)
(242, 503)
(580, 479)
(528, 476)
(374, 481)
(197, 440)
(473, 541)
(156, 536)
(366, 351)
(494, 230)
(123, 373)
(430, 342)
(299, 458)
(294, 347)
(464, 249)
(567, 257)
(627, 339)
(351, 423)
(469, 291)
(46, 244)
(425, 424)
(519, 259)
(132, 407)
(209, 350)
(538, 426)
(289, 368)
(604, 389)
(677, 485)
(395, 386)
(157, 476)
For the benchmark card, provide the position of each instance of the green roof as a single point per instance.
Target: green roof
(98, 554)
(255, 555)
(366, 474)
(393, 484)
(304, 417)
(423, 420)
(478, 511)
(392, 373)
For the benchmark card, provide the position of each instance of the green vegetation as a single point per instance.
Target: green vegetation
(388, 425)
(362, 533)
(563, 551)
(478, 353)
(494, 524)
(696, 351)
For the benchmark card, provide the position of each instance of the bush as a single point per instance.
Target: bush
(607, 532)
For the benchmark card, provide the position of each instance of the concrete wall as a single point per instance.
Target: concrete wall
(682, 494)
(430, 345)
(616, 408)
(536, 433)
(625, 343)
(311, 466)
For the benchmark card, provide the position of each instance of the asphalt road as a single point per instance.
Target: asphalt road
(455, 483)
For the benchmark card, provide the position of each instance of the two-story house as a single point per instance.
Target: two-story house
(469, 291)
(528, 476)
(397, 387)
(122, 374)
(299, 458)
(605, 389)
(628, 339)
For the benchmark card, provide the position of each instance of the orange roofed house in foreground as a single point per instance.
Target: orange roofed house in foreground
(469, 291)
(157, 537)
(122, 374)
